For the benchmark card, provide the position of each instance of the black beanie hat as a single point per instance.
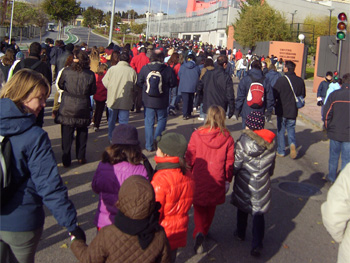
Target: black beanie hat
(125, 134)
(172, 144)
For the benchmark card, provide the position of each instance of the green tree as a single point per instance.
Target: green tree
(314, 27)
(93, 16)
(62, 10)
(22, 14)
(137, 28)
(39, 18)
(258, 22)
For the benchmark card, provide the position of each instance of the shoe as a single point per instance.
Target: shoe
(255, 252)
(96, 129)
(82, 161)
(186, 117)
(200, 118)
(293, 151)
(280, 155)
(235, 234)
(198, 244)
(172, 112)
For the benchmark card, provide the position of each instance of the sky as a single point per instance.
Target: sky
(140, 6)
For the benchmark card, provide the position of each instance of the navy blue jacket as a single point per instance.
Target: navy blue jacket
(169, 80)
(32, 153)
(243, 88)
(189, 75)
(272, 76)
(322, 88)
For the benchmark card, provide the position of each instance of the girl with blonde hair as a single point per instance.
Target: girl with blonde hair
(210, 154)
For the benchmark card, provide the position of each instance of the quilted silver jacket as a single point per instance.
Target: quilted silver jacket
(254, 164)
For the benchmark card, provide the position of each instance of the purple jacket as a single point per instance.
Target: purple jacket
(107, 182)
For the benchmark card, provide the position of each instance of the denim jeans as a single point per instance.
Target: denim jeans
(172, 97)
(336, 149)
(282, 125)
(150, 116)
(113, 115)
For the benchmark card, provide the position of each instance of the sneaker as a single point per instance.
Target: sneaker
(280, 155)
(293, 151)
(198, 244)
(96, 129)
(185, 117)
(200, 118)
(172, 112)
(82, 161)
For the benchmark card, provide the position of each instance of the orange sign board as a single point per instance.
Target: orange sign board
(230, 38)
(288, 51)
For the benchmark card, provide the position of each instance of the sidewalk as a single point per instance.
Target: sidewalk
(311, 112)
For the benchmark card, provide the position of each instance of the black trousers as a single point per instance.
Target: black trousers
(138, 99)
(99, 107)
(187, 103)
(258, 227)
(67, 133)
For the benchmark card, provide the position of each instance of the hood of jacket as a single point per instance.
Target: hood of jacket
(190, 64)
(156, 66)
(213, 138)
(12, 120)
(255, 73)
(263, 140)
(136, 198)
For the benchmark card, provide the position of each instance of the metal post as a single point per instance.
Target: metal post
(11, 23)
(88, 36)
(339, 55)
(160, 10)
(148, 17)
(112, 23)
(167, 12)
(330, 20)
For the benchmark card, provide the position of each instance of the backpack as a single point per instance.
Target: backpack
(33, 67)
(255, 97)
(154, 82)
(5, 167)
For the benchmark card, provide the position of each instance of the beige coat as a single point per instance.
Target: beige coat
(120, 82)
(336, 213)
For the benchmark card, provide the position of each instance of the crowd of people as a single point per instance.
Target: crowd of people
(143, 211)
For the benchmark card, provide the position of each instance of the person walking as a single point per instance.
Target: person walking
(35, 180)
(254, 164)
(100, 96)
(174, 189)
(210, 154)
(286, 108)
(155, 106)
(120, 82)
(322, 90)
(336, 117)
(78, 83)
(189, 75)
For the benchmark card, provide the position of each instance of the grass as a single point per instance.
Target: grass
(310, 72)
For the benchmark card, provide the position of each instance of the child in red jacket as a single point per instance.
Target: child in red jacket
(100, 96)
(210, 153)
(174, 189)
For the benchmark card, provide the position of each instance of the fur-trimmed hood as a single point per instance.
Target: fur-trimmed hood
(264, 137)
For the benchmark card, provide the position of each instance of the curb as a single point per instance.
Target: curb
(311, 121)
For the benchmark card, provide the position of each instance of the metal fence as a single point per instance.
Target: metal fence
(28, 32)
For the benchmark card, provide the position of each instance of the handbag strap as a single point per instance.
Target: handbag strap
(291, 87)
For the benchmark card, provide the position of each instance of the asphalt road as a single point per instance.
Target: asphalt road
(92, 40)
(294, 230)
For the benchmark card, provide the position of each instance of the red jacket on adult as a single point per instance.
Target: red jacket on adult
(174, 191)
(210, 153)
(139, 61)
(176, 69)
(101, 91)
(239, 55)
(135, 52)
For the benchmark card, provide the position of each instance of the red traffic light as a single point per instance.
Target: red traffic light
(342, 17)
(335, 73)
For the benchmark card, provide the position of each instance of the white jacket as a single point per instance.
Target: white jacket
(336, 213)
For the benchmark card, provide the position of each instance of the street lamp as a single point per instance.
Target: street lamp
(301, 37)
(330, 20)
(11, 23)
(112, 23)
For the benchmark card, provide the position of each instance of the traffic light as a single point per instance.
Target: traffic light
(341, 26)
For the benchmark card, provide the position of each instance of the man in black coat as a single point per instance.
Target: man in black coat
(156, 107)
(336, 115)
(286, 109)
(61, 60)
(217, 87)
(33, 62)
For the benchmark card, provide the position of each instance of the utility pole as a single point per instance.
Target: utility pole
(148, 17)
(11, 23)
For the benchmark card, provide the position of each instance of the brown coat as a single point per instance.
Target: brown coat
(112, 245)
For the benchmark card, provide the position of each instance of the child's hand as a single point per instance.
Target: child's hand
(227, 186)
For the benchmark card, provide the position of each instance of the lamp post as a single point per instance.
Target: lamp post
(330, 20)
(112, 23)
(11, 23)
(291, 25)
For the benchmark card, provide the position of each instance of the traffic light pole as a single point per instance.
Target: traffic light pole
(339, 55)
